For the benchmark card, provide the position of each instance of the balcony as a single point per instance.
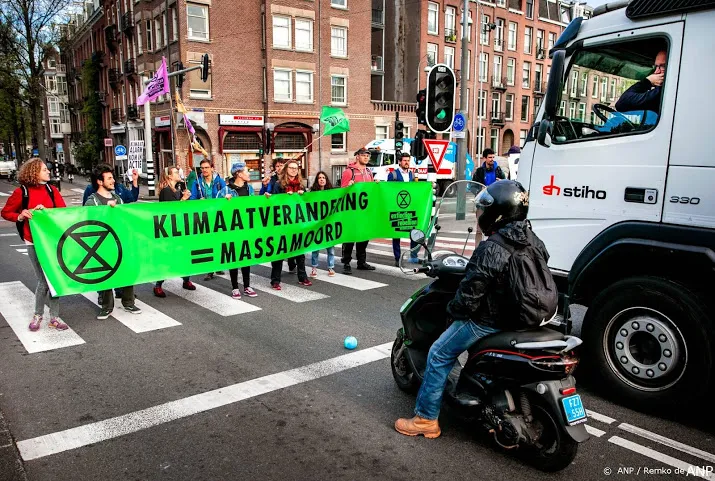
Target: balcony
(114, 76)
(127, 23)
(116, 116)
(497, 118)
(132, 112)
(98, 56)
(110, 35)
(378, 18)
(498, 83)
(390, 106)
(129, 68)
(377, 64)
(450, 35)
(102, 96)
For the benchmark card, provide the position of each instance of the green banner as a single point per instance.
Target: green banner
(84, 249)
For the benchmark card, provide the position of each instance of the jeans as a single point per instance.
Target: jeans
(42, 290)
(361, 252)
(277, 269)
(108, 298)
(458, 337)
(331, 258)
(398, 252)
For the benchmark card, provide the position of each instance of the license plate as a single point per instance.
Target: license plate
(573, 409)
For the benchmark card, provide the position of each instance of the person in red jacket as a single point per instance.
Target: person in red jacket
(34, 176)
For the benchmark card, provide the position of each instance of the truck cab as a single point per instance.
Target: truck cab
(621, 193)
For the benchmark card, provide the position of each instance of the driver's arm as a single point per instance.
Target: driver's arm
(484, 266)
(637, 97)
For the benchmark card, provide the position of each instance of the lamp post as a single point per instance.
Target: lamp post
(484, 28)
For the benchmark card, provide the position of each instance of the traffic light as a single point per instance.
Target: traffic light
(399, 134)
(205, 65)
(421, 107)
(267, 141)
(441, 86)
(418, 147)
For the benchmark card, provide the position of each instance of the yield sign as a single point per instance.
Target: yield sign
(436, 150)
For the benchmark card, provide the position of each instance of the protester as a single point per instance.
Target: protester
(403, 174)
(356, 172)
(289, 181)
(34, 177)
(322, 183)
(268, 187)
(238, 186)
(128, 196)
(170, 191)
(103, 182)
(207, 187)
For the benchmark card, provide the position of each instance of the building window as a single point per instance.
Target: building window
(174, 25)
(148, 36)
(594, 87)
(382, 132)
(501, 3)
(584, 84)
(197, 21)
(525, 108)
(51, 83)
(510, 71)
(540, 43)
(482, 104)
(338, 95)
(522, 138)
(582, 111)
(496, 104)
(62, 85)
(526, 75)
(604, 88)
(468, 34)
(450, 29)
(484, 34)
(158, 32)
(449, 57)
(513, 32)
(53, 106)
(613, 89)
(537, 104)
(303, 35)
(469, 98)
(499, 35)
(55, 127)
(432, 56)
(339, 3)
(562, 109)
(199, 88)
(303, 87)
(572, 110)
(497, 70)
(574, 83)
(52, 62)
(469, 65)
(140, 41)
(338, 41)
(281, 32)
(166, 28)
(552, 40)
(337, 142)
(494, 140)
(538, 78)
(530, 9)
(509, 104)
(483, 66)
(480, 140)
(282, 85)
(432, 18)
(528, 37)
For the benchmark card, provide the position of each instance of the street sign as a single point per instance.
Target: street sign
(459, 135)
(108, 142)
(436, 148)
(459, 122)
(120, 150)
(136, 155)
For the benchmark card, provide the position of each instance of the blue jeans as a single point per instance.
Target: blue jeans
(398, 252)
(458, 337)
(331, 258)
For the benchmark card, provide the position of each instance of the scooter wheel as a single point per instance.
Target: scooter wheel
(401, 369)
(554, 450)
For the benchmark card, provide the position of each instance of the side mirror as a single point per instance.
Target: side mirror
(417, 236)
(554, 86)
(543, 137)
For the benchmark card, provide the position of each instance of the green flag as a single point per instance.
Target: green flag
(85, 249)
(335, 121)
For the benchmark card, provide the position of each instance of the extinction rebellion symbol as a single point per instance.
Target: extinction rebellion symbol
(403, 199)
(89, 252)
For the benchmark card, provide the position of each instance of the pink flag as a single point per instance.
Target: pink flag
(189, 127)
(158, 85)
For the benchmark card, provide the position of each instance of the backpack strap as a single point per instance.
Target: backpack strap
(51, 191)
(25, 197)
(499, 239)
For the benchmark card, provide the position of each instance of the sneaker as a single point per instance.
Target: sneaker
(314, 272)
(276, 287)
(220, 273)
(56, 323)
(133, 309)
(103, 314)
(189, 286)
(397, 262)
(305, 282)
(331, 272)
(36, 323)
(209, 277)
(347, 270)
(250, 292)
(159, 292)
(236, 294)
(365, 267)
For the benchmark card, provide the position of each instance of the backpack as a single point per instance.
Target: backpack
(532, 296)
(26, 202)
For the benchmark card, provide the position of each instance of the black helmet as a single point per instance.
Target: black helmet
(502, 202)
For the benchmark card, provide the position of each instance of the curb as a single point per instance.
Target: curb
(11, 467)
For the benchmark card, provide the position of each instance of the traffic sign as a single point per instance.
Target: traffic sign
(120, 150)
(436, 148)
(459, 122)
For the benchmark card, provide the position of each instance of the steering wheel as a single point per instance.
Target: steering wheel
(598, 108)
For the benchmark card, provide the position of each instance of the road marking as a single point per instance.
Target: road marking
(379, 268)
(17, 307)
(594, 431)
(149, 320)
(9, 234)
(600, 417)
(80, 436)
(350, 282)
(288, 292)
(79, 191)
(658, 456)
(218, 302)
(668, 442)
(3, 194)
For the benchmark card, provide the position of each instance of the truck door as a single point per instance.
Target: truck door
(605, 166)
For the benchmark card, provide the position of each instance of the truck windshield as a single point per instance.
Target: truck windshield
(374, 159)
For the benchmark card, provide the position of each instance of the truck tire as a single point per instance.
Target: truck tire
(651, 340)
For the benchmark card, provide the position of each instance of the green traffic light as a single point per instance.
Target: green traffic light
(441, 115)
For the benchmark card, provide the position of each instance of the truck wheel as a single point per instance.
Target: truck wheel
(651, 340)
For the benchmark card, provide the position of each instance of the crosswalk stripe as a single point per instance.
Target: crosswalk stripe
(149, 320)
(288, 292)
(79, 191)
(350, 282)
(215, 301)
(379, 268)
(17, 309)
(9, 234)
(3, 194)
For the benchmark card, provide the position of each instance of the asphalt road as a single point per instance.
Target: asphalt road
(262, 389)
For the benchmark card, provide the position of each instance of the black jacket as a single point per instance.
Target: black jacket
(481, 294)
(640, 96)
(480, 173)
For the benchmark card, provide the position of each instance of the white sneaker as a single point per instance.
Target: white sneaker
(236, 294)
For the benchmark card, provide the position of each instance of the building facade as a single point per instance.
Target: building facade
(56, 113)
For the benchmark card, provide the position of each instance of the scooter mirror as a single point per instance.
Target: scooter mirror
(417, 236)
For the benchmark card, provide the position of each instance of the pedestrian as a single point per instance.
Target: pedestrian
(290, 182)
(103, 182)
(35, 193)
(268, 187)
(356, 172)
(170, 191)
(238, 186)
(128, 196)
(403, 174)
(207, 187)
(322, 183)
(489, 172)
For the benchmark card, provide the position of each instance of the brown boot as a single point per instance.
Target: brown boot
(417, 425)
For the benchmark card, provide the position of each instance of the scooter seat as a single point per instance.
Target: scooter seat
(508, 339)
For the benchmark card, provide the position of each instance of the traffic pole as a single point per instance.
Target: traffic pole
(461, 156)
(148, 146)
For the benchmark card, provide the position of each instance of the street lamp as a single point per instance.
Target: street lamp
(486, 28)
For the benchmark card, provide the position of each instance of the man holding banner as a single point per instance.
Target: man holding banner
(356, 172)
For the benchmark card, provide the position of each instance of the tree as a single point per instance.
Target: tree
(12, 98)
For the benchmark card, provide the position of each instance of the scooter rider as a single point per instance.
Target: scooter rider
(476, 308)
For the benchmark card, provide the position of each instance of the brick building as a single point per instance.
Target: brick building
(56, 113)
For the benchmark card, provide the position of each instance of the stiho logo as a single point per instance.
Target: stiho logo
(582, 192)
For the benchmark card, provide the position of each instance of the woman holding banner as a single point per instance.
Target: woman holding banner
(34, 194)
(322, 183)
(169, 192)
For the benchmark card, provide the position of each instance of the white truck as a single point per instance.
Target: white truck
(624, 198)
(6, 167)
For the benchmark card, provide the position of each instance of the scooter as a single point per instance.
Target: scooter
(517, 385)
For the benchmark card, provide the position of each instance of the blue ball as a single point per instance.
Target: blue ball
(350, 342)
